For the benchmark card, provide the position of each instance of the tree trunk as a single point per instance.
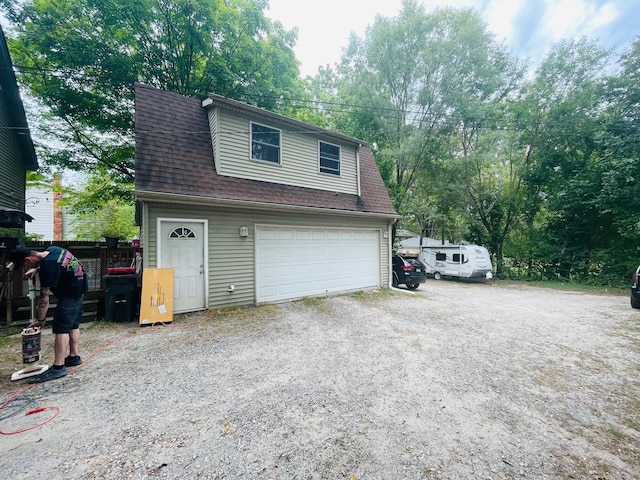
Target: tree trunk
(499, 258)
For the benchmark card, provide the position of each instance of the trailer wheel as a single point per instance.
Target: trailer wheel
(437, 276)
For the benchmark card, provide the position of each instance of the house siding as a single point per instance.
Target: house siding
(13, 178)
(231, 258)
(213, 127)
(299, 155)
(40, 207)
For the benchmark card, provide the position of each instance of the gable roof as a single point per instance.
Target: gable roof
(16, 116)
(174, 163)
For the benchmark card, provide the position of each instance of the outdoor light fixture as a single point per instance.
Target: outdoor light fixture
(244, 232)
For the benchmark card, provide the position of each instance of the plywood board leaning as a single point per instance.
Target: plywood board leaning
(156, 303)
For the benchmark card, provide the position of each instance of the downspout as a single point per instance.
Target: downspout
(145, 235)
(390, 253)
(358, 168)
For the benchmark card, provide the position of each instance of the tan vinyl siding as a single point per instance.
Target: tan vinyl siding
(231, 257)
(299, 156)
(13, 178)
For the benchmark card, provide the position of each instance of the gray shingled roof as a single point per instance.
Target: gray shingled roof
(174, 161)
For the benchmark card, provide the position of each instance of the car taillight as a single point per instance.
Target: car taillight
(635, 277)
(406, 267)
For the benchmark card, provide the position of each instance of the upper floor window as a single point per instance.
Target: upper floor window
(329, 158)
(265, 143)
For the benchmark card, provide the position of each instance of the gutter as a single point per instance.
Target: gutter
(221, 202)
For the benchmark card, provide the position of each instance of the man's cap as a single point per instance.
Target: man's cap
(18, 255)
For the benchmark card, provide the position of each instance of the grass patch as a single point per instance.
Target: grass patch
(633, 423)
(592, 363)
(10, 331)
(567, 286)
(317, 303)
(237, 312)
(617, 434)
(373, 294)
(224, 312)
(10, 350)
(226, 321)
(237, 316)
(101, 325)
(7, 339)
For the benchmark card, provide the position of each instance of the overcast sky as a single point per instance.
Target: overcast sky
(529, 27)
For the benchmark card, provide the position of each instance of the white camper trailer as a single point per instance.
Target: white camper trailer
(464, 261)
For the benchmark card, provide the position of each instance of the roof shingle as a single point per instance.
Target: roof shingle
(174, 156)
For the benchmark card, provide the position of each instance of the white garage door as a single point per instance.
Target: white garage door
(298, 262)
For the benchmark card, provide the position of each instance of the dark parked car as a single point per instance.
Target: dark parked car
(409, 271)
(635, 289)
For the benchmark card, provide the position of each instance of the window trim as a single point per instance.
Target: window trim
(262, 160)
(339, 172)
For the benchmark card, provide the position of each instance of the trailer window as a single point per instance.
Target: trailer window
(441, 257)
(459, 258)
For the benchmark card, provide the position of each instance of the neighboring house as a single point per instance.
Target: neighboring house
(402, 234)
(51, 221)
(17, 155)
(410, 247)
(39, 204)
(248, 206)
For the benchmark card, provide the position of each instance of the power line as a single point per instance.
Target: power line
(323, 107)
(302, 102)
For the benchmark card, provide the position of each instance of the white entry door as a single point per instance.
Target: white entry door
(293, 262)
(181, 246)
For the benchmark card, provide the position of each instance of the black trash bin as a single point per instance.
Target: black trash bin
(120, 297)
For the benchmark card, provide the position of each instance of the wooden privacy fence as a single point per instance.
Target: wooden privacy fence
(96, 258)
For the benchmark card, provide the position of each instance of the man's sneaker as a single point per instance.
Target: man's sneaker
(72, 361)
(50, 374)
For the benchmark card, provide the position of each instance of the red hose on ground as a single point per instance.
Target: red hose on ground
(30, 412)
(57, 409)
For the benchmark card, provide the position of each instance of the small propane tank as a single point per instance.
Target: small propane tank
(31, 345)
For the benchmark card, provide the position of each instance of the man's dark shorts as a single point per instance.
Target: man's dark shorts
(68, 315)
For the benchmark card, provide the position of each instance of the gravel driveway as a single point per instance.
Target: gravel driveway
(459, 381)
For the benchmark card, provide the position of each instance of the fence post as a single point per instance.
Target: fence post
(16, 276)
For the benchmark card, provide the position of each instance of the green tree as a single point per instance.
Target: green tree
(418, 87)
(114, 218)
(492, 174)
(80, 59)
(616, 161)
(562, 118)
(380, 78)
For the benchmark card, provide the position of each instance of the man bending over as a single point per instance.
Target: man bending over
(62, 275)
